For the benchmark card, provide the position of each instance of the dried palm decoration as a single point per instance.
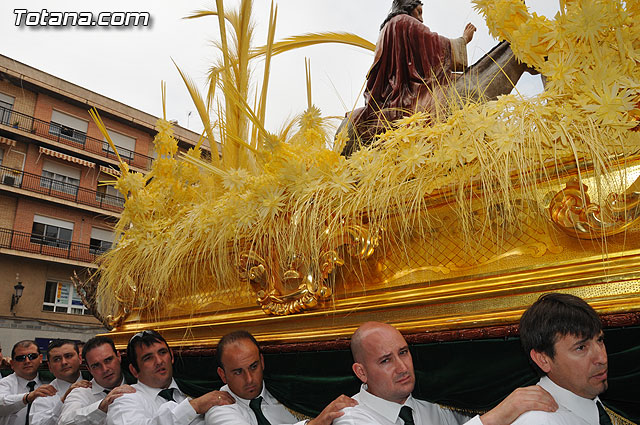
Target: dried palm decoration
(285, 195)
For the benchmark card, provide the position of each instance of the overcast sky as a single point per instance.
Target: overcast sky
(127, 64)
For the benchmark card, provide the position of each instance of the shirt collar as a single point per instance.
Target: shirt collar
(390, 410)
(63, 385)
(583, 407)
(97, 388)
(266, 396)
(153, 392)
(22, 383)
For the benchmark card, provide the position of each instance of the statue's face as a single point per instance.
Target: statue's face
(417, 13)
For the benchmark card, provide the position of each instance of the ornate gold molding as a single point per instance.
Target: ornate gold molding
(309, 278)
(572, 210)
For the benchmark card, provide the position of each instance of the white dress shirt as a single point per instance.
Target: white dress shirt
(146, 407)
(240, 413)
(572, 409)
(46, 410)
(81, 406)
(372, 410)
(12, 390)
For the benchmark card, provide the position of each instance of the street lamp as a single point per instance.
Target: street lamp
(19, 287)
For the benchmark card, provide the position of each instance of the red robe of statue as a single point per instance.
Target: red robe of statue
(411, 69)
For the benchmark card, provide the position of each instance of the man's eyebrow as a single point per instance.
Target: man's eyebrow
(582, 341)
(384, 356)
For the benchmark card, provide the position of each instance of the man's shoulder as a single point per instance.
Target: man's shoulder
(226, 409)
(356, 414)
(79, 392)
(228, 413)
(127, 398)
(8, 380)
(559, 417)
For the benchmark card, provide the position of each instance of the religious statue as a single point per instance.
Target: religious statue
(415, 69)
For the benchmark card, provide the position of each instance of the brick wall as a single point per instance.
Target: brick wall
(7, 211)
(14, 156)
(82, 221)
(33, 275)
(46, 104)
(25, 100)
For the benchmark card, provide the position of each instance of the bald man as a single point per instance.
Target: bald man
(382, 361)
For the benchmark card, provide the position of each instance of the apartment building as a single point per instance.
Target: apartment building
(56, 216)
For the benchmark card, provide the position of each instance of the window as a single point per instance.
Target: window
(68, 127)
(62, 297)
(107, 194)
(51, 232)
(60, 178)
(124, 144)
(101, 241)
(6, 106)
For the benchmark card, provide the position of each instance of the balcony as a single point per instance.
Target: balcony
(71, 137)
(70, 192)
(44, 245)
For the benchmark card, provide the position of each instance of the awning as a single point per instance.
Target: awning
(67, 157)
(111, 171)
(6, 141)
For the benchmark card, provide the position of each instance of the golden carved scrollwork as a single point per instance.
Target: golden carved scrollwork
(573, 212)
(270, 282)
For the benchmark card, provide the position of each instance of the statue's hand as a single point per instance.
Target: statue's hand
(468, 32)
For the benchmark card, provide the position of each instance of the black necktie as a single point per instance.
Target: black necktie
(167, 394)
(604, 418)
(31, 385)
(108, 391)
(255, 406)
(406, 415)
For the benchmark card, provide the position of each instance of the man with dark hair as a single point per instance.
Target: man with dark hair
(64, 364)
(411, 68)
(19, 390)
(157, 399)
(89, 405)
(241, 368)
(562, 336)
(383, 362)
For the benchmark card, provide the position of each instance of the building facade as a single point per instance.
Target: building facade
(56, 214)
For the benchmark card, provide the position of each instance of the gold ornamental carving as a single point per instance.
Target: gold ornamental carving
(572, 211)
(303, 284)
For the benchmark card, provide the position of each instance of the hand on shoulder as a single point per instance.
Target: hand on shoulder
(518, 402)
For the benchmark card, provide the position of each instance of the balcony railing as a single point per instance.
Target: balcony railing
(58, 189)
(71, 137)
(38, 244)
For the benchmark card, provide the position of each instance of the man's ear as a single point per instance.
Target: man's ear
(222, 375)
(360, 372)
(261, 361)
(133, 371)
(541, 359)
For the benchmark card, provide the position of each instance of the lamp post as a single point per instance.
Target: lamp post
(18, 288)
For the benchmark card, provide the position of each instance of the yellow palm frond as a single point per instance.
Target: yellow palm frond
(262, 105)
(201, 13)
(312, 39)
(202, 111)
(93, 113)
